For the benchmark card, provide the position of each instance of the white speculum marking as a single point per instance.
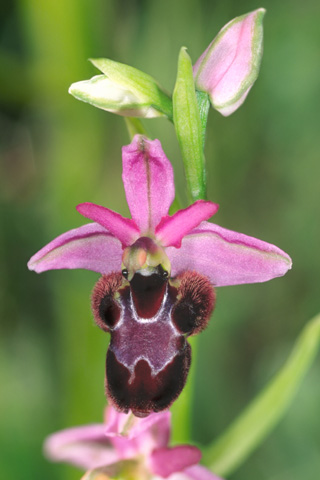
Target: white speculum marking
(151, 339)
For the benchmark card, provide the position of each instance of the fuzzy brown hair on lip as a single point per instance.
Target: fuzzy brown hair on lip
(192, 312)
(105, 308)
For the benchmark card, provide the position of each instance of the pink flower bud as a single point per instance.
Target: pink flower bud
(230, 65)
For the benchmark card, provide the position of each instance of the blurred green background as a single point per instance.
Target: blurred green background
(263, 169)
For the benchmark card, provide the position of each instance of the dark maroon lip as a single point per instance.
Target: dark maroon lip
(145, 392)
(149, 321)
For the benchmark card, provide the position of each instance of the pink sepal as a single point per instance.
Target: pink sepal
(90, 247)
(148, 182)
(227, 257)
(171, 230)
(85, 447)
(165, 461)
(122, 228)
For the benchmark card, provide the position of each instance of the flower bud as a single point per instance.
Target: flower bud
(230, 65)
(123, 90)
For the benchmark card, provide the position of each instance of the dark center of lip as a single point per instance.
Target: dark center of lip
(148, 292)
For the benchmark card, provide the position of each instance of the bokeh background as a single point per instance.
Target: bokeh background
(263, 169)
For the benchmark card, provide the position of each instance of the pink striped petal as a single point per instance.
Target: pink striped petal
(85, 447)
(171, 230)
(148, 182)
(230, 65)
(227, 257)
(197, 472)
(122, 228)
(90, 247)
(165, 461)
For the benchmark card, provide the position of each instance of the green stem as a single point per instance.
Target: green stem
(135, 127)
(188, 128)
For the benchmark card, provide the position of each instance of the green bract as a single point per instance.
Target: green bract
(188, 127)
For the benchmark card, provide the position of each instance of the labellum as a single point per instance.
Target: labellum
(149, 316)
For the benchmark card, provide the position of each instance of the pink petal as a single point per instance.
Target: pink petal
(116, 425)
(230, 65)
(122, 228)
(85, 447)
(91, 247)
(227, 257)
(171, 230)
(165, 461)
(156, 425)
(115, 421)
(145, 435)
(148, 182)
(198, 472)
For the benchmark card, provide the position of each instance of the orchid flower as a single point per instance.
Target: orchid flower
(228, 68)
(159, 274)
(125, 446)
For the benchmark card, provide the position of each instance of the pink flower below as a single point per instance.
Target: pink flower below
(126, 445)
